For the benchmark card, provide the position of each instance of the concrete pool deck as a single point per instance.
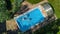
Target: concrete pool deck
(10, 23)
(31, 7)
(33, 12)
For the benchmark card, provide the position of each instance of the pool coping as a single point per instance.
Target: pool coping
(28, 12)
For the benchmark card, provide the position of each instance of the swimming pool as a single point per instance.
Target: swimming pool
(29, 19)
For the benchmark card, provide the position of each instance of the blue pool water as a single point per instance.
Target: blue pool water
(25, 22)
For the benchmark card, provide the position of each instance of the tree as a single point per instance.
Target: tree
(3, 11)
(7, 7)
(15, 5)
(51, 28)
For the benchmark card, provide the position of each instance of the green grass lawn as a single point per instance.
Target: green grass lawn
(58, 32)
(34, 1)
(56, 5)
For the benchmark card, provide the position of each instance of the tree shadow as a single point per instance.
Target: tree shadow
(8, 4)
(2, 27)
(12, 32)
(51, 28)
